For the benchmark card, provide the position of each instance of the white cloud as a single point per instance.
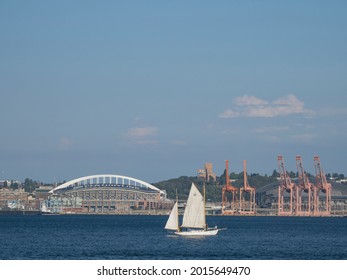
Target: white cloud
(143, 135)
(249, 101)
(228, 114)
(140, 132)
(260, 111)
(251, 106)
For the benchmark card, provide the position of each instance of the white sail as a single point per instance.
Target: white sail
(194, 213)
(172, 222)
(44, 207)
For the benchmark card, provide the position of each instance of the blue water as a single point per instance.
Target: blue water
(143, 237)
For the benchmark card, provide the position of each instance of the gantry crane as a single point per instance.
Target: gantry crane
(228, 207)
(286, 185)
(247, 206)
(303, 185)
(325, 187)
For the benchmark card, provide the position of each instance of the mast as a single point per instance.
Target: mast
(178, 221)
(205, 206)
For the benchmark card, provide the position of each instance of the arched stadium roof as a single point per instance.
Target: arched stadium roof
(103, 179)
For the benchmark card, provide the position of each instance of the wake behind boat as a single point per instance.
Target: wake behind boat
(194, 217)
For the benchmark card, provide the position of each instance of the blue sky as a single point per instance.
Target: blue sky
(153, 89)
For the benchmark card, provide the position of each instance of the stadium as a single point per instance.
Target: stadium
(106, 194)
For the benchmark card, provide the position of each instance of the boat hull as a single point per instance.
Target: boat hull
(48, 213)
(199, 232)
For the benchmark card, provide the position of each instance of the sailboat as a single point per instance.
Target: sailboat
(194, 217)
(45, 210)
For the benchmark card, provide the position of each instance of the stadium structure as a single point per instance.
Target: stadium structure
(106, 193)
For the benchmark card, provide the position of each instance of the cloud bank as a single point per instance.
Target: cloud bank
(251, 106)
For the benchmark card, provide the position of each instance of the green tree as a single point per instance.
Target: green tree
(30, 185)
(275, 174)
(14, 185)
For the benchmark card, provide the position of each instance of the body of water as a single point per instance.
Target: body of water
(101, 237)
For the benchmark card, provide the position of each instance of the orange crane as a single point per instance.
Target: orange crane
(247, 207)
(228, 207)
(303, 185)
(325, 187)
(286, 185)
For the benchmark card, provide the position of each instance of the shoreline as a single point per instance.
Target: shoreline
(156, 213)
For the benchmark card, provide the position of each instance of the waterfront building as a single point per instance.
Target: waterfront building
(13, 198)
(42, 192)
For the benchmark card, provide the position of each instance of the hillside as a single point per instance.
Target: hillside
(213, 189)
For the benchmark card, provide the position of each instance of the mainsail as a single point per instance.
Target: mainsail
(172, 222)
(194, 213)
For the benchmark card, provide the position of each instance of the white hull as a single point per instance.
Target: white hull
(198, 232)
(49, 213)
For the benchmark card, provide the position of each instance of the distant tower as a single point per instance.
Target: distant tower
(207, 173)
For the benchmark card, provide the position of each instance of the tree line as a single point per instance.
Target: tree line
(182, 184)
